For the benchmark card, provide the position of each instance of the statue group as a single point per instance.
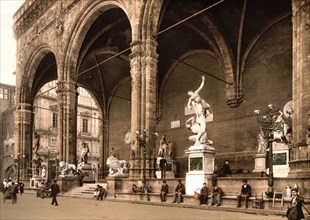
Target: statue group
(165, 148)
(197, 123)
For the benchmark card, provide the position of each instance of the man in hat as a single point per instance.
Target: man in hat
(216, 195)
(294, 210)
(203, 194)
(164, 191)
(245, 193)
(55, 190)
(179, 191)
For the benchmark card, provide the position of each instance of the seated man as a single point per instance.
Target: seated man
(244, 194)
(100, 192)
(203, 195)
(216, 195)
(164, 191)
(146, 189)
(179, 191)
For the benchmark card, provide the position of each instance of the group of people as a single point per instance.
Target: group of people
(144, 189)
(10, 189)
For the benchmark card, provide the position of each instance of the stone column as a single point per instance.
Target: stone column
(105, 151)
(67, 102)
(301, 91)
(23, 136)
(143, 104)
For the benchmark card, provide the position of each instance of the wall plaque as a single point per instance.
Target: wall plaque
(195, 164)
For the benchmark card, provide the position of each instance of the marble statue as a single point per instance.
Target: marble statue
(281, 129)
(43, 172)
(84, 152)
(198, 123)
(66, 169)
(36, 145)
(262, 141)
(117, 168)
(163, 146)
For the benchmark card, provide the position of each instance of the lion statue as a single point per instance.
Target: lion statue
(66, 169)
(118, 168)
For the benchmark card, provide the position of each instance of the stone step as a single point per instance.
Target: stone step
(87, 190)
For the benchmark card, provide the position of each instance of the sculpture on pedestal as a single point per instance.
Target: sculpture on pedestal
(84, 153)
(66, 169)
(198, 123)
(117, 168)
(262, 142)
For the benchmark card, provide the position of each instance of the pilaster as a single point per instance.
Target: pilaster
(67, 101)
(23, 116)
(143, 105)
(301, 91)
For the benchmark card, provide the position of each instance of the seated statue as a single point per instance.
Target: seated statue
(117, 168)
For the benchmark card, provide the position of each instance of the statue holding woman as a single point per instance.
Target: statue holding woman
(198, 124)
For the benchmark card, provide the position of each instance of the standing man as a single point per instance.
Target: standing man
(294, 210)
(55, 190)
(164, 191)
(163, 166)
(21, 188)
(13, 191)
(245, 193)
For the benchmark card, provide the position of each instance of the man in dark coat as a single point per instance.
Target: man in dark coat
(55, 190)
(164, 191)
(13, 191)
(203, 194)
(294, 211)
(245, 193)
(226, 171)
(163, 165)
(179, 191)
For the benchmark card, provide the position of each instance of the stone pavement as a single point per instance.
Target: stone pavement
(31, 207)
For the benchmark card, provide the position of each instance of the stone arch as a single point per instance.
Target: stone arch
(79, 31)
(26, 88)
(173, 66)
(256, 39)
(148, 25)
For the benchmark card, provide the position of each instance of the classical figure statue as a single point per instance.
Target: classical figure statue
(163, 145)
(84, 152)
(281, 129)
(36, 145)
(198, 124)
(262, 141)
(170, 149)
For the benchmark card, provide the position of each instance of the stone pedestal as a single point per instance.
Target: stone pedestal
(170, 170)
(260, 163)
(280, 159)
(88, 173)
(201, 166)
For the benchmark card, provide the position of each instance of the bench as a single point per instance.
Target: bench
(227, 200)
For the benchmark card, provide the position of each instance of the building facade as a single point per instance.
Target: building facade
(45, 131)
(7, 100)
(138, 59)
